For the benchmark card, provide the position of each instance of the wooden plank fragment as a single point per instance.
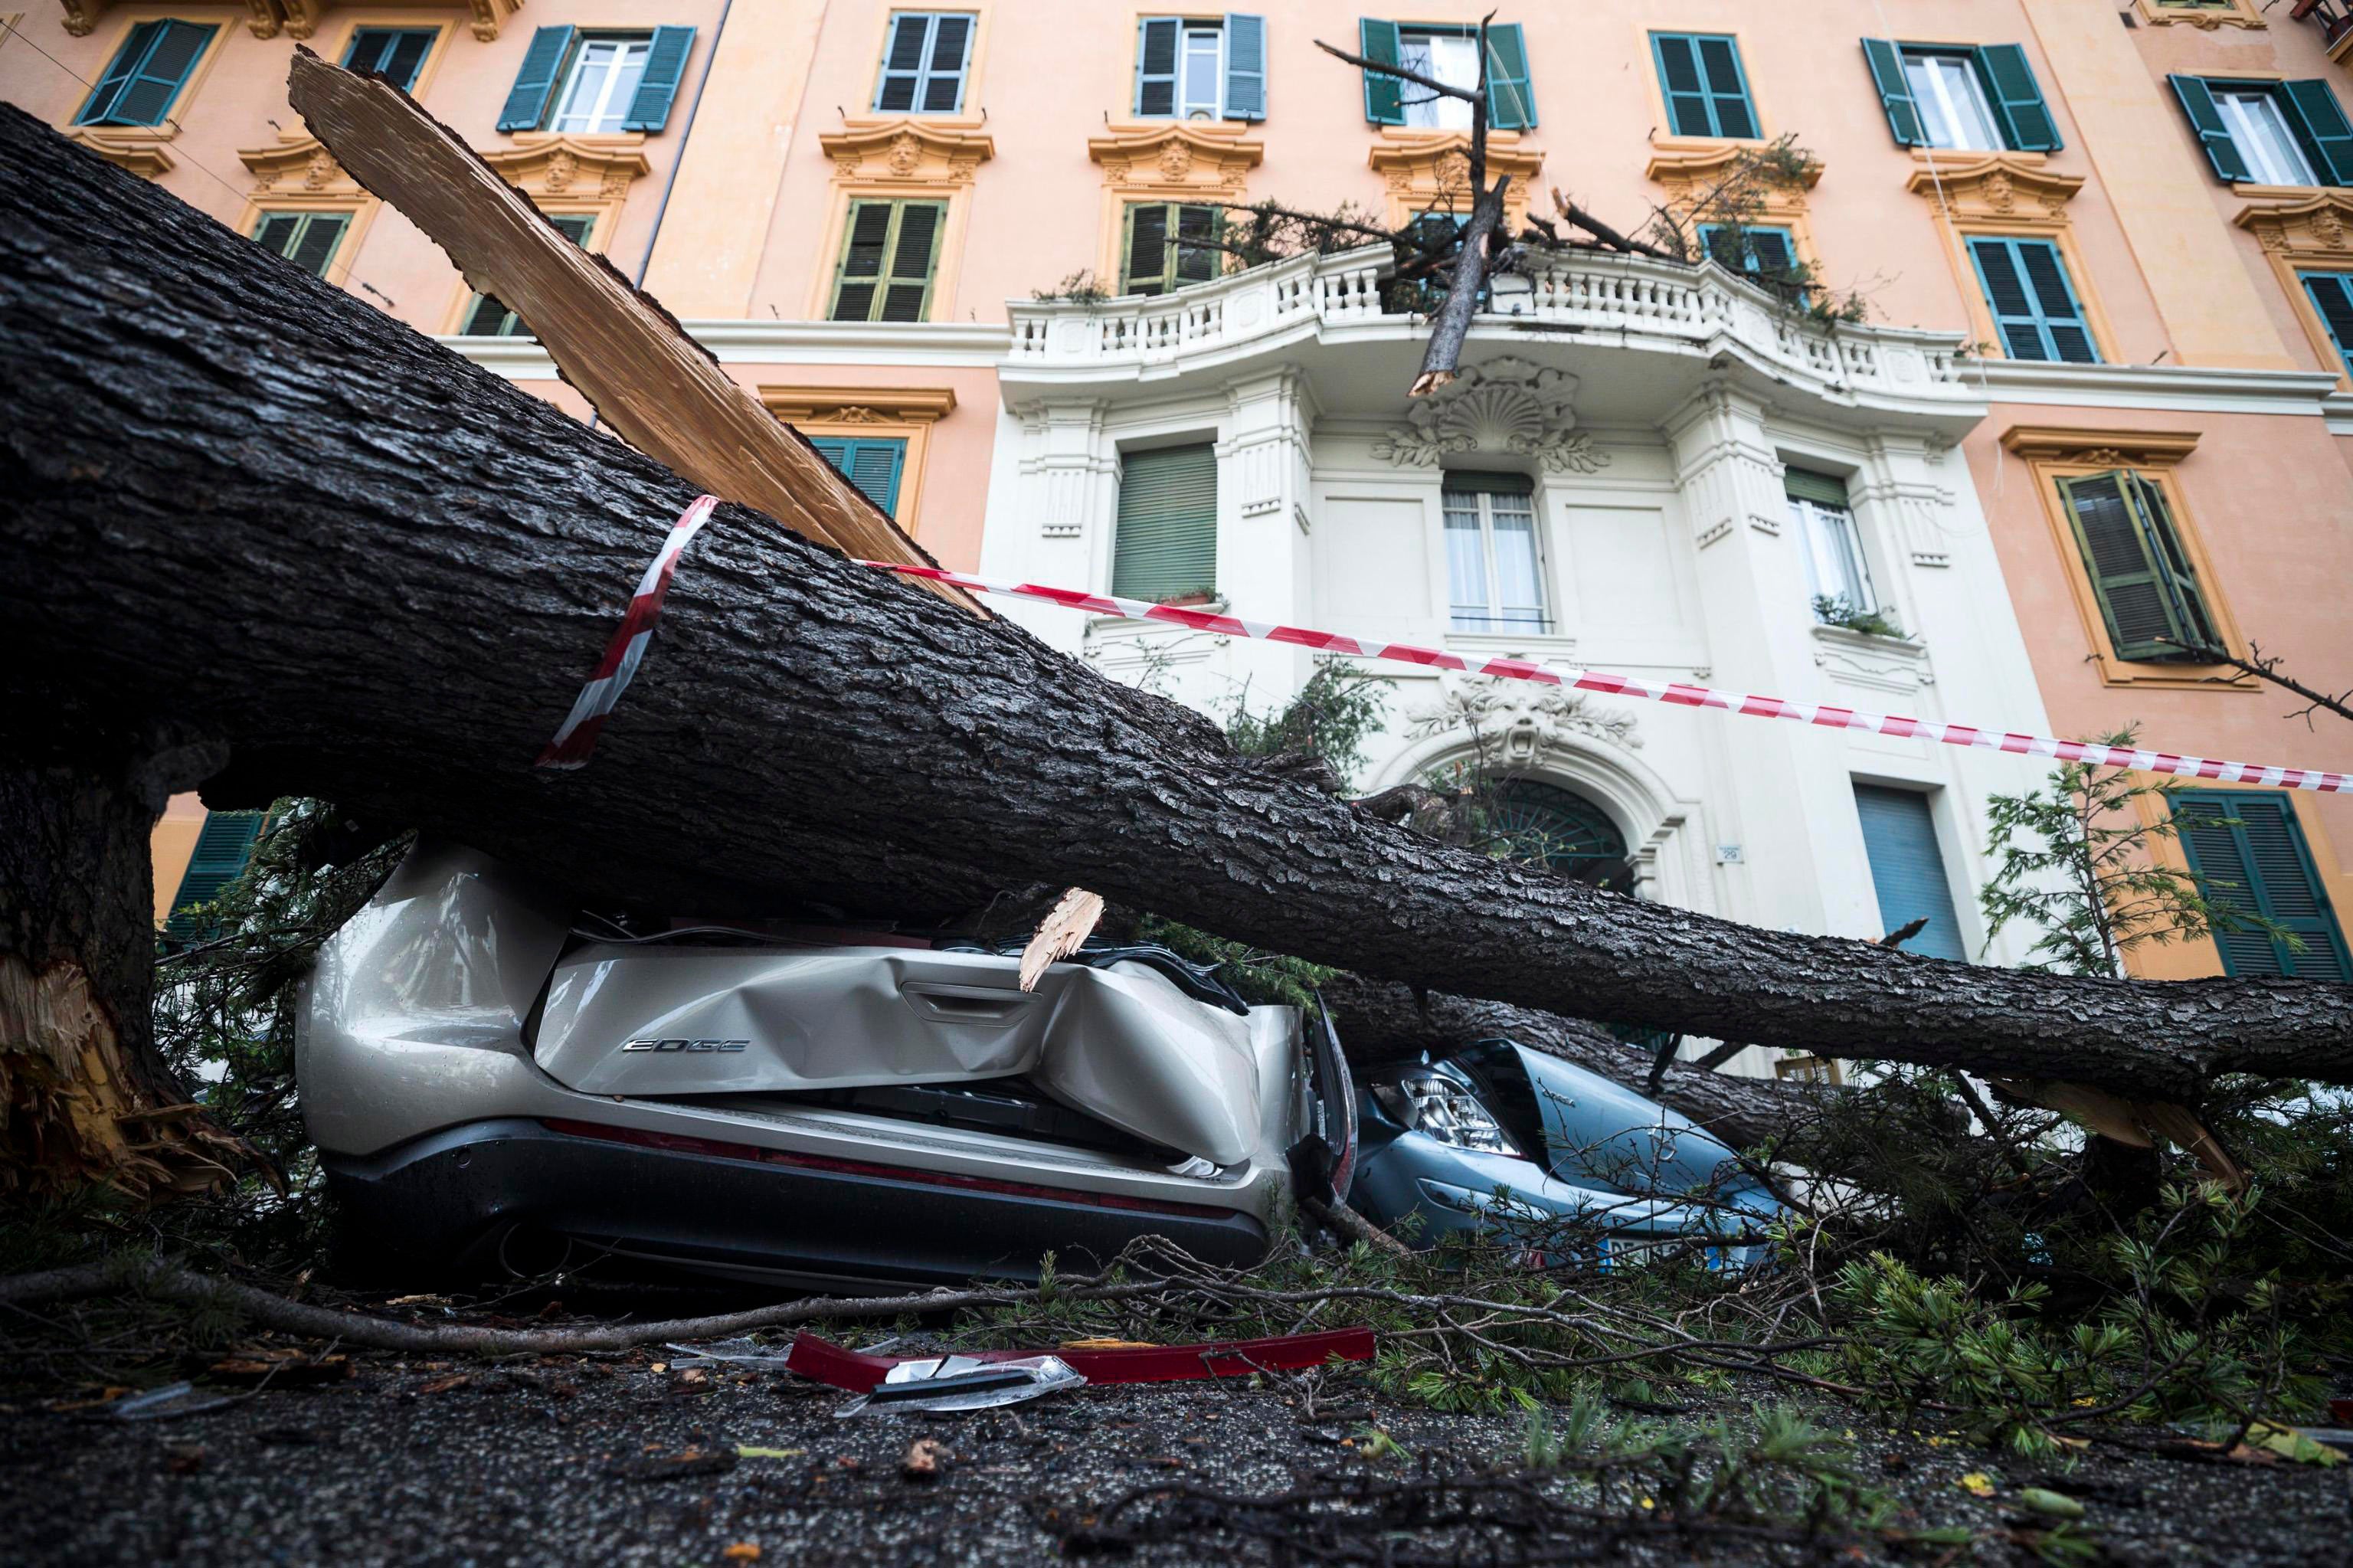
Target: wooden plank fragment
(661, 391)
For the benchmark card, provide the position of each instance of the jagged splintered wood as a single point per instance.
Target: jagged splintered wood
(252, 518)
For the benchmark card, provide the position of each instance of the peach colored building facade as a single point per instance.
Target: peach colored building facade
(1670, 462)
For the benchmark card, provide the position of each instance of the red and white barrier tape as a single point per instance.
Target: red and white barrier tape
(1672, 692)
(578, 736)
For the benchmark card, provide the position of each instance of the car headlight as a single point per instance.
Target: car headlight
(1436, 1105)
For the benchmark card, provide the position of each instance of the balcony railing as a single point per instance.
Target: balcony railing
(1637, 302)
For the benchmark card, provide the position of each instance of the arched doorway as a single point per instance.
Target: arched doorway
(1561, 828)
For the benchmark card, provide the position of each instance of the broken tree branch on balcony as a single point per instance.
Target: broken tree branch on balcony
(262, 534)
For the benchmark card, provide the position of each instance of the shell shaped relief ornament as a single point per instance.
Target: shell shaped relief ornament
(1509, 405)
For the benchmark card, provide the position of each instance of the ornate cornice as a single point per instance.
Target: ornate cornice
(2205, 18)
(1995, 187)
(2320, 227)
(137, 148)
(297, 165)
(1418, 165)
(1683, 172)
(1508, 405)
(909, 150)
(1177, 155)
(558, 164)
(859, 405)
(2107, 448)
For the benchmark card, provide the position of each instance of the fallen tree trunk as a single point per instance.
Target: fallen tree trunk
(251, 509)
(1380, 1020)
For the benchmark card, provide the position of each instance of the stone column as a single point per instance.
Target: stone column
(1262, 526)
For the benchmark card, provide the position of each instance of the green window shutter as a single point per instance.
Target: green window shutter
(1384, 95)
(1144, 248)
(2198, 104)
(1165, 545)
(2033, 303)
(396, 54)
(1197, 258)
(914, 255)
(308, 240)
(1886, 63)
(2332, 296)
(2155, 612)
(275, 233)
(1907, 869)
(1706, 89)
(488, 318)
(534, 83)
(666, 60)
(2319, 119)
(1511, 102)
(887, 258)
(146, 75)
(224, 845)
(872, 464)
(858, 282)
(1156, 39)
(2250, 854)
(2016, 99)
(1245, 94)
(1821, 489)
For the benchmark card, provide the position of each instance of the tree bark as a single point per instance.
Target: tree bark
(1381, 1021)
(247, 504)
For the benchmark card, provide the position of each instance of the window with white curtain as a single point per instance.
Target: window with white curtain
(1951, 102)
(1835, 568)
(603, 81)
(1494, 564)
(1450, 58)
(2262, 134)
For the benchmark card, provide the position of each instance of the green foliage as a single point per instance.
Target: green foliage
(2078, 861)
(1836, 609)
(1332, 717)
(1081, 288)
(1735, 204)
(1262, 979)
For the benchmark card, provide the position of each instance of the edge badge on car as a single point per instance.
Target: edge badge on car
(685, 1044)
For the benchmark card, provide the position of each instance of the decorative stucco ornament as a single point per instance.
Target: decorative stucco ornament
(1516, 725)
(1507, 405)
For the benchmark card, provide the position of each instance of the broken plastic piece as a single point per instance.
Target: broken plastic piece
(964, 1382)
(828, 1363)
(163, 1403)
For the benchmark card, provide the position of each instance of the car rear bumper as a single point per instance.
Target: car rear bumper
(482, 1196)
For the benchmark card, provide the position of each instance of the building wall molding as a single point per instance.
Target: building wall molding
(2014, 195)
(901, 413)
(2099, 448)
(1427, 171)
(2311, 234)
(1174, 160)
(907, 159)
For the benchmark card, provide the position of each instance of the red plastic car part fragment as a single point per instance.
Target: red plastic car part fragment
(829, 1363)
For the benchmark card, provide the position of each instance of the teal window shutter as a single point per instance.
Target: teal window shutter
(2319, 119)
(2250, 854)
(534, 82)
(2033, 303)
(1165, 543)
(1245, 67)
(146, 75)
(665, 66)
(224, 845)
(1156, 39)
(2198, 103)
(396, 54)
(872, 465)
(1886, 62)
(2332, 295)
(308, 240)
(923, 64)
(1511, 102)
(2155, 609)
(486, 317)
(1384, 95)
(2016, 99)
(1760, 251)
(1907, 869)
(1706, 86)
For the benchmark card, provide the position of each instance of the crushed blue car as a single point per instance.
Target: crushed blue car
(1503, 1142)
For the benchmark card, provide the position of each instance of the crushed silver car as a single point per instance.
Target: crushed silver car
(496, 1084)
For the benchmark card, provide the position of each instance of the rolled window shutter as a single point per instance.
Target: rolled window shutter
(1895, 91)
(2332, 297)
(147, 97)
(665, 67)
(1147, 250)
(1679, 78)
(1727, 88)
(224, 845)
(1821, 489)
(534, 82)
(2126, 577)
(914, 249)
(1245, 67)
(1165, 545)
(1907, 869)
(2320, 119)
(1511, 101)
(2198, 103)
(2017, 99)
(950, 58)
(1384, 95)
(1156, 65)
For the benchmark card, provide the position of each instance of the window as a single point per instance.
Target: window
(2331, 294)
(309, 239)
(1560, 827)
(147, 74)
(872, 464)
(1169, 245)
(1765, 253)
(2155, 608)
(1165, 544)
(2034, 306)
(887, 260)
(2248, 852)
(222, 846)
(2269, 133)
(1201, 67)
(923, 64)
(1835, 568)
(486, 317)
(1449, 55)
(591, 83)
(1707, 92)
(1981, 98)
(1907, 869)
(1492, 561)
(396, 54)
